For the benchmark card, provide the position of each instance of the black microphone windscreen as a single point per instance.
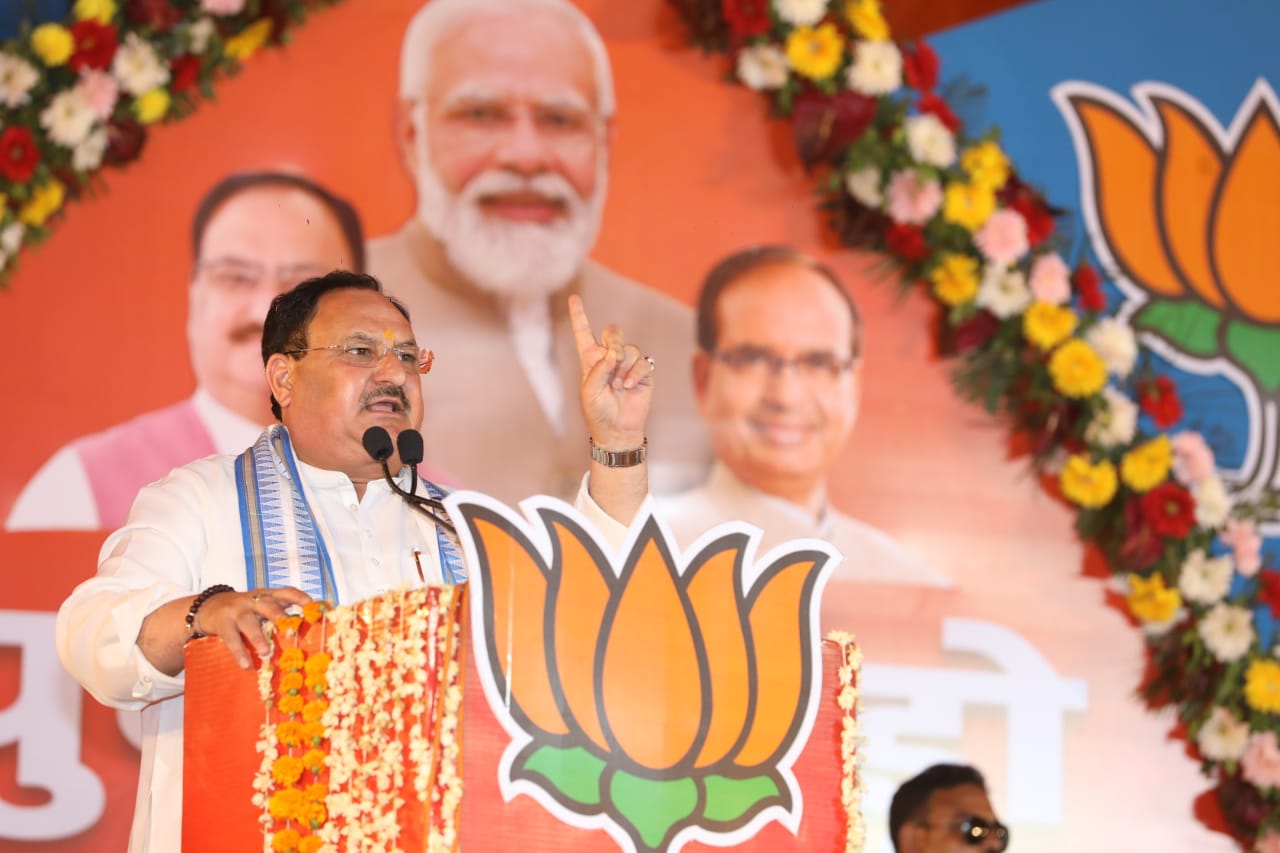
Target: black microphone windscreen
(377, 442)
(410, 443)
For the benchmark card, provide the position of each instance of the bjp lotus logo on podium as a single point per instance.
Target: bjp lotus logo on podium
(661, 700)
(1183, 214)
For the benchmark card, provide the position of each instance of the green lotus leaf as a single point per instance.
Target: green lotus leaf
(652, 807)
(574, 772)
(1190, 326)
(730, 799)
(1254, 348)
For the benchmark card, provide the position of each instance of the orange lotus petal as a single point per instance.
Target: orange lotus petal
(1188, 178)
(780, 626)
(713, 593)
(1124, 178)
(580, 601)
(651, 643)
(1248, 220)
(515, 594)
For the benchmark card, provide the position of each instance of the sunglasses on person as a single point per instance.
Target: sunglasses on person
(975, 830)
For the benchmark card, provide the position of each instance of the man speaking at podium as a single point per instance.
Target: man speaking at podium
(195, 555)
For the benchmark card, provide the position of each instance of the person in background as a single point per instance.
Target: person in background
(504, 121)
(254, 235)
(945, 809)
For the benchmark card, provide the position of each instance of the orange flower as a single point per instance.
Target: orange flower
(290, 705)
(314, 761)
(286, 770)
(314, 710)
(289, 625)
(285, 840)
(291, 660)
(285, 804)
(312, 611)
(289, 733)
(291, 682)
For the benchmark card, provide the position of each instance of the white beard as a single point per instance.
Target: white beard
(514, 260)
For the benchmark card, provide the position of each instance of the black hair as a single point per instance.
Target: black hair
(232, 185)
(737, 265)
(285, 328)
(911, 800)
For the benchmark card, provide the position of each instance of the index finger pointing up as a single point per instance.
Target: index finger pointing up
(582, 334)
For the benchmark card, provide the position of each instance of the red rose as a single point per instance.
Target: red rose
(920, 67)
(747, 18)
(1141, 547)
(825, 125)
(183, 73)
(933, 105)
(1088, 285)
(95, 45)
(907, 242)
(1159, 399)
(1039, 220)
(158, 14)
(1269, 591)
(974, 332)
(125, 138)
(1169, 509)
(19, 155)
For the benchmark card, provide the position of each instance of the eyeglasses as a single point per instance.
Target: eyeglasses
(814, 367)
(975, 830)
(368, 354)
(235, 275)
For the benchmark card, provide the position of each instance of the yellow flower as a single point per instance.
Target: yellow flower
(1086, 484)
(867, 20)
(289, 733)
(313, 814)
(986, 165)
(291, 682)
(1077, 371)
(313, 610)
(101, 11)
(152, 105)
(289, 625)
(318, 663)
(1262, 686)
(314, 710)
(968, 205)
(52, 43)
(285, 840)
(1046, 325)
(310, 844)
(291, 660)
(286, 770)
(290, 705)
(317, 791)
(248, 41)
(955, 279)
(285, 804)
(44, 202)
(314, 760)
(313, 733)
(815, 53)
(1150, 601)
(1147, 465)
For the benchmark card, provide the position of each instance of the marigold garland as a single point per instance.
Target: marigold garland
(852, 784)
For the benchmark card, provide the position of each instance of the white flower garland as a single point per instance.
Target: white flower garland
(852, 785)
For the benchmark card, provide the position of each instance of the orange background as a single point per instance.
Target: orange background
(94, 324)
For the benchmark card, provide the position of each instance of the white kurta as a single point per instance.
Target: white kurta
(183, 535)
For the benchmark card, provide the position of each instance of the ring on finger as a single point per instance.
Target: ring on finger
(653, 367)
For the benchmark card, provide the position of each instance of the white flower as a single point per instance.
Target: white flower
(930, 142)
(1222, 737)
(864, 186)
(137, 66)
(1116, 423)
(1203, 579)
(876, 68)
(1115, 342)
(17, 76)
(11, 237)
(1003, 291)
(1227, 632)
(68, 118)
(801, 13)
(1213, 505)
(88, 154)
(762, 67)
(199, 33)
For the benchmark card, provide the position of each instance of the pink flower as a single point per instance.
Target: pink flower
(1269, 843)
(100, 91)
(1192, 458)
(911, 200)
(1245, 544)
(1050, 279)
(1261, 762)
(222, 7)
(1004, 238)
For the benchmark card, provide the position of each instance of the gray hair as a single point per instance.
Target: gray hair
(437, 16)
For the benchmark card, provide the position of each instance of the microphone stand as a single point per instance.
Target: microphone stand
(424, 505)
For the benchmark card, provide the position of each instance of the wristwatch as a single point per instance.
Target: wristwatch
(619, 458)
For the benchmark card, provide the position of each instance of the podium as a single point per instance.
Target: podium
(566, 699)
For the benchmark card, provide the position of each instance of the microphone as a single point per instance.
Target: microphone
(409, 442)
(377, 443)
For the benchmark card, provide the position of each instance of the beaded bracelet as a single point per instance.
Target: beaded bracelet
(192, 633)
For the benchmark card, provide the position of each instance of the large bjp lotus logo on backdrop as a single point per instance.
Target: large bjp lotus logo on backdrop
(1186, 216)
(661, 701)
